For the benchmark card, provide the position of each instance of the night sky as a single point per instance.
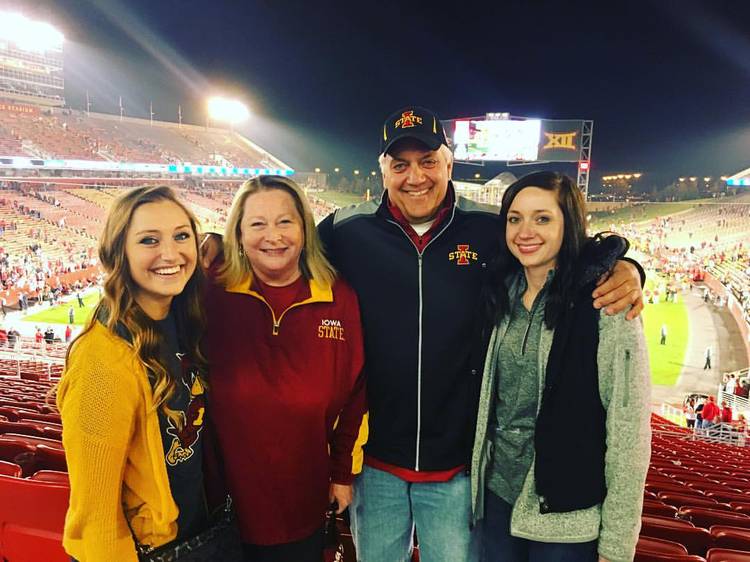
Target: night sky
(666, 82)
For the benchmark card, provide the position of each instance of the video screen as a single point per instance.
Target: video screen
(503, 140)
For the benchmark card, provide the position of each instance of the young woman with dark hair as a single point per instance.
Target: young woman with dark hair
(562, 440)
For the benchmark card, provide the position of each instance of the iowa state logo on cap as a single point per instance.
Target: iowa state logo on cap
(407, 120)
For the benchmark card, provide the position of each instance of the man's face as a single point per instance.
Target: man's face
(416, 179)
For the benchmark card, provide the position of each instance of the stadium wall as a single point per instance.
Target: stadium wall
(734, 308)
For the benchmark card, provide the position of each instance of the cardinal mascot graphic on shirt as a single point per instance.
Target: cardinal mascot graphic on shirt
(184, 439)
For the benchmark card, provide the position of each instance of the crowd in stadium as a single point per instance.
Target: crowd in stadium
(681, 252)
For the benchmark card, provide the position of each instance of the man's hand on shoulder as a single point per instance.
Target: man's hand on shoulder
(210, 248)
(620, 290)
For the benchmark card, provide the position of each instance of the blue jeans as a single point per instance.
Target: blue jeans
(499, 546)
(386, 510)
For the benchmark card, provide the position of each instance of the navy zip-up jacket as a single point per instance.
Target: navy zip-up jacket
(420, 313)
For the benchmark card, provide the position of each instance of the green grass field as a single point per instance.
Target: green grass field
(340, 198)
(59, 314)
(666, 360)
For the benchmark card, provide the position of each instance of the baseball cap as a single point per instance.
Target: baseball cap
(412, 122)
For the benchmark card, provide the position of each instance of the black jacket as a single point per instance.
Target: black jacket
(423, 358)
(571, 395)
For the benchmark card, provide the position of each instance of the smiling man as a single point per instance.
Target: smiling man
(417, 261)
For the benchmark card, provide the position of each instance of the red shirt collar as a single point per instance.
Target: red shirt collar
(442, 215)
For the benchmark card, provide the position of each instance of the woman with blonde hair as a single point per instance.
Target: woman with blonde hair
(285, 346)
(132, 394)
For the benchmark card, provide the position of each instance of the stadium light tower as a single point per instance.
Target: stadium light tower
(227, 111)
(29, 35)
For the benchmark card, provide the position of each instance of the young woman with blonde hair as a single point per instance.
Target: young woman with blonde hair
(132, 394)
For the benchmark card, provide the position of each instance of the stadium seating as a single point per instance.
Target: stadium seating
(725, 536)
(28, 533)
(10, 469)
(659, 546)
(51, 476)
(727, 555)
(704, 483)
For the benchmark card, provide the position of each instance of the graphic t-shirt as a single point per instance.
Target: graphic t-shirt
(183, 448)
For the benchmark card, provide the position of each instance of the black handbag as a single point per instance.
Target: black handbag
(219, 541)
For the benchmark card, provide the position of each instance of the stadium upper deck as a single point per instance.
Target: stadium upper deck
(49, 133)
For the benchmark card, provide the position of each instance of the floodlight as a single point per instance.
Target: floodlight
(226, 110)
(29, 35)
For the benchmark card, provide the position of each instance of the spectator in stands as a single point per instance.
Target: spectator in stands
(3, 337)
(132, 395)
(38, 335)
(690, 413)
(726, 412)
(731, 385)
(699, 414)
(550, 350)
(68, 333)
(711, 413)
(287, 390)
(13, 337)
(49, 335)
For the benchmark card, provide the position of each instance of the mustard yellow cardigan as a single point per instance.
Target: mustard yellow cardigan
(114, 450)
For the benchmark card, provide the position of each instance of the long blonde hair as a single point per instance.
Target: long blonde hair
(118, 307)
(312, 261)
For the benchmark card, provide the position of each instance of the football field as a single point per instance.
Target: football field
(59, 314)
(666, 360)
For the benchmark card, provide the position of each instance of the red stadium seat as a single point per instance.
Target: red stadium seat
(36, 416)
(713, 487)
(727, 555)
(24, 428)
(696, 540)
(19, 453)
(659, 546)
(651, 507)
(28, 533)
(741, 485)
(51, 476)
(671, 488)
(741, 507)
(731, 537)
(654, 557)
(728, 497)
(678, 500)
(49, 458)
(53, 433)
(10, 469)
(704, 517)
(32, 440)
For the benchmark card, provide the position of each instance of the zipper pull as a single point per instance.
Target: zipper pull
(276, 327)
